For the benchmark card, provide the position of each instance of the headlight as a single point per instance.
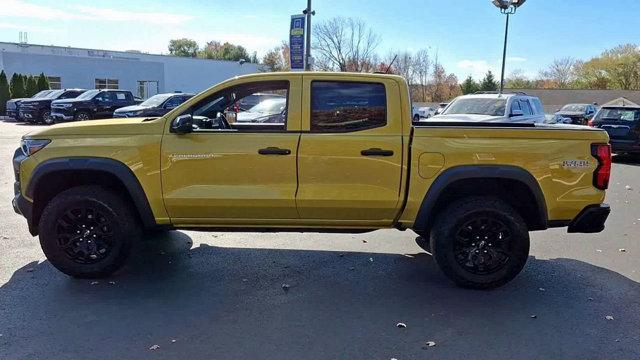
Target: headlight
(32, 146)
(135, 113)
(64, 105)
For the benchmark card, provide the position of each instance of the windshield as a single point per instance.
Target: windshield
(618, 114)
(574, 107)
(270, 106)
(88, 94)
(477, 106)
(52, 95)
(156, 100)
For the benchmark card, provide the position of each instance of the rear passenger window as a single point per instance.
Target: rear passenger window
(347, 106)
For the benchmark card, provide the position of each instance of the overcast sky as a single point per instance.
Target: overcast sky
(466, 34)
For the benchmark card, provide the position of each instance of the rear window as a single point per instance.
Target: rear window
(347, 106)
(618, 114)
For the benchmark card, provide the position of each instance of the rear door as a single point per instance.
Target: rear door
(350, 154)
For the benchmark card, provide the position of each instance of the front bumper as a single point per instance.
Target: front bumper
(21, 205)
(590, 220)
(62, 114)
(14, 114)
(29, 115)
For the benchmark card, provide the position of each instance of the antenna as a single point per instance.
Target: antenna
(392, 61)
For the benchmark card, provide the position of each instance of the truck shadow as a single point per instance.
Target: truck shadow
(211, 302)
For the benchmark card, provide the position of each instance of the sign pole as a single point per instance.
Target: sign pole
(308, 13)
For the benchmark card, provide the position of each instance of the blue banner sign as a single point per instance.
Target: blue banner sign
(296, 42)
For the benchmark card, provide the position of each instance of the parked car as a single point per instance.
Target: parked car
(422, 112)
(621, 119)
(359, 165)
(39, 110)
(93, 104)
(493, 107)
(579, 114)
(268, 111)
(254, 99)
(441, 108)
(556, 119)
(13, 105)
(154, 106)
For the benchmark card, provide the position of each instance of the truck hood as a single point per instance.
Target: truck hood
(133, 108)
(570, 113)
(130, 126)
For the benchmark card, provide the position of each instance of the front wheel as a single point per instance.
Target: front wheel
(82, 116)
(47, 119)
(480, 242)
(87, 232)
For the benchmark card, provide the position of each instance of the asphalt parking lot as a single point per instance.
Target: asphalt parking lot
(200, 295)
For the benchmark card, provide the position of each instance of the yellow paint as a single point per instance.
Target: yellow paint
(218, 178)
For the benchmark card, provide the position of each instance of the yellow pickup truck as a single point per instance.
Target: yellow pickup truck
(310, 152)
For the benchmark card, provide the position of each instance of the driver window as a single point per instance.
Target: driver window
(251, 107)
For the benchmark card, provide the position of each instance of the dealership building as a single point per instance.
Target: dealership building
(144, 74)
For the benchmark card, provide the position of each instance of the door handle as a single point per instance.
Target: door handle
(274, 151)
(376, 152)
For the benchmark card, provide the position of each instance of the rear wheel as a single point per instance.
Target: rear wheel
(82, 116)
(480, 242)
(87, 232)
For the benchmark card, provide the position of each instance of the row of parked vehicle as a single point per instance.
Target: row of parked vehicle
(620, 117)
(51, 106)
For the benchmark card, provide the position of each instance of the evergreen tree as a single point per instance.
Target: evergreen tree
(31, 86)
(489, 83)
(5, 92)
(17, 86)
(469, 86)
(43, 83)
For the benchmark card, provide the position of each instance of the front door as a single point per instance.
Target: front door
(350, 159)
(235, 168)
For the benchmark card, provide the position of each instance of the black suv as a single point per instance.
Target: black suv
(39, 110)
(93, 104)
(154, 106)
(621, 119)
(13, 105)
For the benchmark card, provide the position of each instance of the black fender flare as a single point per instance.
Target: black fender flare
(116, 168)
(425, 216)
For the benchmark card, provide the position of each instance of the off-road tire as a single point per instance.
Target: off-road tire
(452, 229)
(101, 208)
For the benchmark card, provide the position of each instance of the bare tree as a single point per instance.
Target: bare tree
(560, 71)
(422, 63)
(344, 44)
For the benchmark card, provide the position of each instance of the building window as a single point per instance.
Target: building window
(106, 84)
(147, 89)
(55, 83)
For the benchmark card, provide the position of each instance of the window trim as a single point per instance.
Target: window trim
(245, 131)
(107, 83)
(386, 106)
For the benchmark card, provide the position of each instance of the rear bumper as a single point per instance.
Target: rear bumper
(625, 145)
(590, 220)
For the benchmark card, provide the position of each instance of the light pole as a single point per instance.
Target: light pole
(507, 7)
(307, 57)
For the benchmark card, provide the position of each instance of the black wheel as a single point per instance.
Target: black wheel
(480, 242)
(87, 232)
(82, 116)
(47, 119)
(424, 243)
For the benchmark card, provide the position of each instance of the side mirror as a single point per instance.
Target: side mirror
(183, 124)
(515, 113)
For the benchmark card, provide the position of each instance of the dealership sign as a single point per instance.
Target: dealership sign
(296, 42)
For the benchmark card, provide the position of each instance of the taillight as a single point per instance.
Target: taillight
(601, 176)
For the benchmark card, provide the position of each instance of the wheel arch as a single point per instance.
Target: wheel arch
(513, 184)
(55, 175)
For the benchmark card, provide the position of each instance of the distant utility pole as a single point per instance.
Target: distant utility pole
(307, 58)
